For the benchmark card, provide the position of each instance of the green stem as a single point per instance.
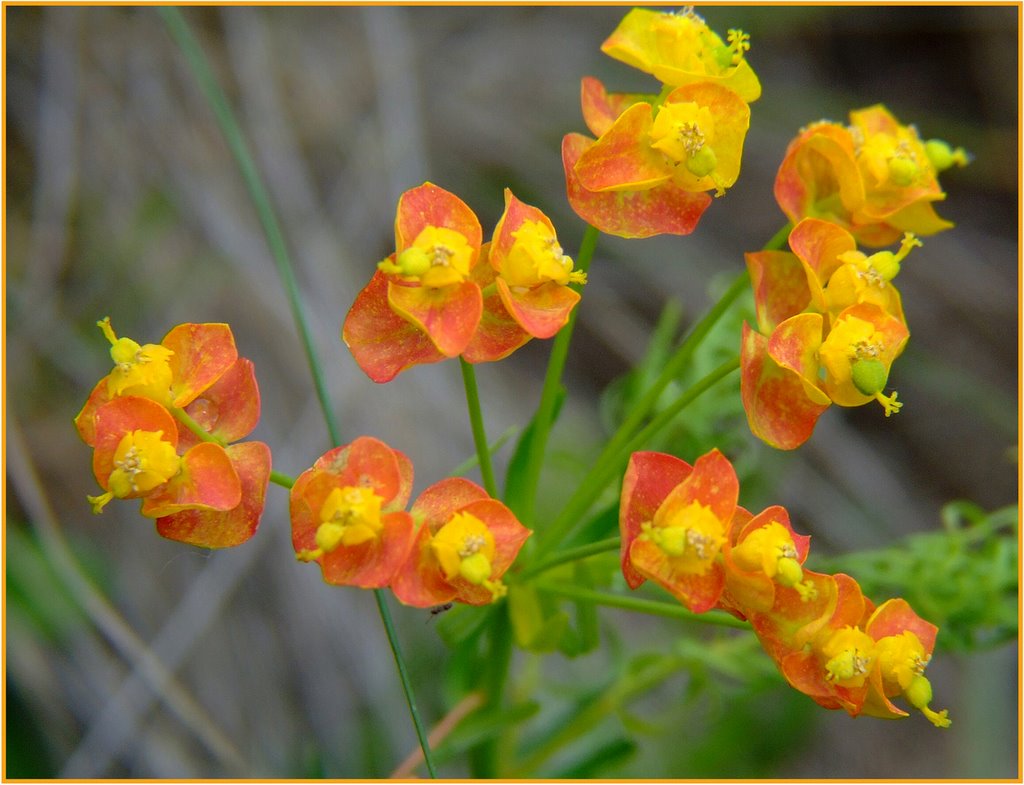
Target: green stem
(275, 239)
(484, 757)
(403, 674)
(476, 422)
(257, 193)
(279, 478)
(639, 604)
(549, 394)
(568, 555)
(611, 462)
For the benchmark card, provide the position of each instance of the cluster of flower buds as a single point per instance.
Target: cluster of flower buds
(657, 156)
(454, 544)
(829, 318)
(165, 426)
(682, 527)
(445, 293)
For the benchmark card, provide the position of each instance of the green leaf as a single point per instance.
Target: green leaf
(607, 754)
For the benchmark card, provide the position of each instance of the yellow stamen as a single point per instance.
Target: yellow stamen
(691, 536)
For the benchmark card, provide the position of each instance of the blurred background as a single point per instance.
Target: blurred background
(131, 656)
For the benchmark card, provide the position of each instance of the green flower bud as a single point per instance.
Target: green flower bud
(869, 376)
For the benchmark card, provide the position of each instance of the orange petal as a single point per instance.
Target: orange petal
(120, 416)
(229, 409)
(753, 591)
(382, 342)
(209, 529)
(895, 616)
(207, 480)
(622, 158)
(793, 621)
(699, 593)
(202, 354)
(650, 477)
(541, 310)
(601, 109)
(666, 209)
(516, 213)
(780, 287)
(819, 175)
(372, 564)
(443, 499)
(449, 316)
(818, 245)
(85, 420)
(509, 536)
(497, 335)
(712, 483)
(428, 205)
(419, 581)
(778, 408)
(365, 462)
(732, 120)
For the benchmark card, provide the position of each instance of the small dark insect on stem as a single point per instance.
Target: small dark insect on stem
(437, 610)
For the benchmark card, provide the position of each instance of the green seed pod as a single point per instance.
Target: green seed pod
(869, 376)
(703, 162)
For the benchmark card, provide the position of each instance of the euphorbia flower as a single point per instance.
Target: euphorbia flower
(347, 513)
(674, 521)
(136, 456)
(694, 139)
(530, 274)
(765, 553)
(825, 273)
(790, 378)
(194, 373)
(903, 647)
(464, 543)
(422, 305)
(875, 177)
(680, 49)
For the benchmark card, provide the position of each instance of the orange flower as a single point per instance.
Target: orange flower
(347, 513)
(875, 177)
(195, 372)
(422, 305)
(674, 522)
(464, 543)
(525, 283)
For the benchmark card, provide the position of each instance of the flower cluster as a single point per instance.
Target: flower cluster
(830, 324)
(829, 318)
(874, 177)
(165, 426)
(348, 515)
(656, 156)
(682, 528)
(445, 293)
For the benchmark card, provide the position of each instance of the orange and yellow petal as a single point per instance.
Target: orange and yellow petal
(115, 419)
(383, 343)
(202, 354)
(779, 408)
(428, 205)
(622, 158)
(601, 109)
(650, 477)
(443, 499)
(210, 529)
(541, 311)
(418, 581)
(665, 209)
(448, 316)
(366, 462)
(371, 564)
(207, 480)
(780, 287)
(229, 409)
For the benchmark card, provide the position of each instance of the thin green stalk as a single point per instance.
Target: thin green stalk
(474, 460)
(257, 193)
(485, 756)
(549, 394)
(275, 239)
(476, 422)
(639, 604)
(276, 477)
(566, 556)
(403, 674)
(611, 461)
